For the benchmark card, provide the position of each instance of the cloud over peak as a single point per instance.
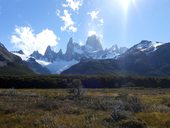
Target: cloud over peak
(24, 38)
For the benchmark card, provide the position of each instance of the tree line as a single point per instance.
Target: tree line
(97, 81)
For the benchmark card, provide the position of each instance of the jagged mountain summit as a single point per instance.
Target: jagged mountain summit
(57, 62)
(37, 55)
(93, 44)
(91, 50)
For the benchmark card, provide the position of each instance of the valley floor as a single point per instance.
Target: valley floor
(97, 108)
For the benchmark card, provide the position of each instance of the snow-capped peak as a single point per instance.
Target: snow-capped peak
(145, 46)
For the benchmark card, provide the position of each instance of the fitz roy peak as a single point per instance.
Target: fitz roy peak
(91, 50)
(57, 62)
(93, 43)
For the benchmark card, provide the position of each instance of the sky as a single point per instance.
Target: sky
(34, 24)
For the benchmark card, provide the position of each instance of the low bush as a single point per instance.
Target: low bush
(158, 108)
(49, 105)
(130, 103)
(166, 101)
(124, 106)
(133, 123)
(118, 115)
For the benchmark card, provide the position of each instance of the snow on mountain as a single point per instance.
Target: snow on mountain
(22, 56)
(110, 55)
(43, 63)
(78, 50)
(26, 58)
(36, 55)
(58, 62)
(156, 44)
(91, 50)
(54, 67)
(145, 46)
(58, 66)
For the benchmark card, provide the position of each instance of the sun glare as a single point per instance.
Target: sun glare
(126, 4)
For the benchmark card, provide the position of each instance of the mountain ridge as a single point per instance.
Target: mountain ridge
(135, 59)
(144, 61)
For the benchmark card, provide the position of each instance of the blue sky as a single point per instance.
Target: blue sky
(34, 24)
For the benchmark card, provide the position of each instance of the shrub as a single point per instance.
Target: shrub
(49, 105)
(76, 88)
(124, 106)
(118, 115)
(131, 103)
(119, 111)
(134, 104)
(166, 101)
(133, 123)
(159, 108)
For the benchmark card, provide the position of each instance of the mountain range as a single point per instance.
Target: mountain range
(144, 58)
(56, 62)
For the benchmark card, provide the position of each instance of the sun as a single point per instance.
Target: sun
(126, 3)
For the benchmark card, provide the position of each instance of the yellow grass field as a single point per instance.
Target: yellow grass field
(56, 108)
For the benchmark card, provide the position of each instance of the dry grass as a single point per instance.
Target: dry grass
(53, 108)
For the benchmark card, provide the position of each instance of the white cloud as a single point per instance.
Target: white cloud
(94, 14)
(90, 33)
(101, 21)
(95, 24)
(73, 4)
(70, 7)
(97, 33)
(69, 24)
(24, 38)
